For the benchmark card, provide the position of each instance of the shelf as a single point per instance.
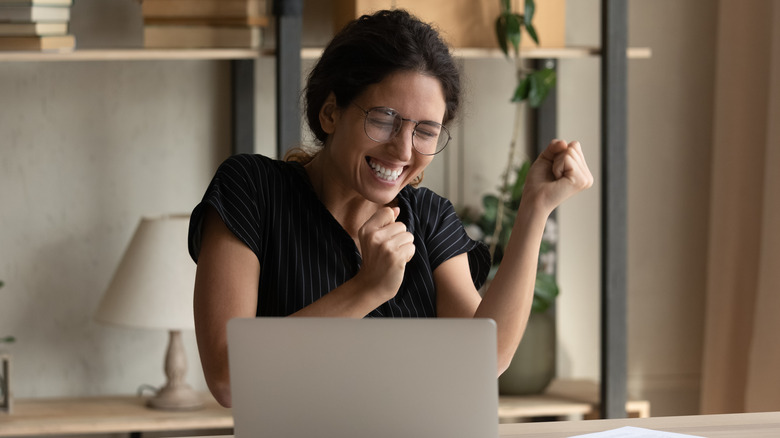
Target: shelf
(308, 53)
(107, 414)
(533, 53)
(573, 398)
(130, 55)
(547, 53)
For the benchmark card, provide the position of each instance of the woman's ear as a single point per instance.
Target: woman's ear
(329, 114)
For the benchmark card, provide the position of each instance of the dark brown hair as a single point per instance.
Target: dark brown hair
(371, 48)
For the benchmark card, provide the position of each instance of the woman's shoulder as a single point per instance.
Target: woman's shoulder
(423, 197)
(254, 166)
(253, 161)
(427, 210)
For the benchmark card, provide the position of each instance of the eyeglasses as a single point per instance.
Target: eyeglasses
(382, 123)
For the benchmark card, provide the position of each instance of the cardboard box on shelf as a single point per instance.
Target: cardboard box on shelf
(465, 23)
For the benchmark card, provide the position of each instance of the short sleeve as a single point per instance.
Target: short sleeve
(235, 193)
(446, 237)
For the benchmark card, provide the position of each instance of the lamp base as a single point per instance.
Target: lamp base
(176, 395)
(179, 398)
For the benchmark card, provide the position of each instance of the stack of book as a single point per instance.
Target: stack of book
(35, 25)
(203, 23)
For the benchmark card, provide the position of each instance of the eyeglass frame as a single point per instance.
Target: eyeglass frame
(403, 119)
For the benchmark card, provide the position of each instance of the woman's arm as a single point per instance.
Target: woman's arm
(558, 173)
(228, 274)
(509, 297)
(385, 247)
(456, 297)
(225, 287)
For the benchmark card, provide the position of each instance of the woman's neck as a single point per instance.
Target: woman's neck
(347, 206)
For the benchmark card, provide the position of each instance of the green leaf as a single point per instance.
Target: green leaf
(522, 173)
(501, 35)
(521, 92)
(532, 32)
(545, 292)
(514, 23)
(490, 203)
(539, 305)
(541, 82)
(506, 5)
(508, 30)
(8, 339)
(530, 7)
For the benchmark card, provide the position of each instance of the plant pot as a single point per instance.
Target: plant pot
(533, 366)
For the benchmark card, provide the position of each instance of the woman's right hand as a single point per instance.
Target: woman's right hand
(386, 247)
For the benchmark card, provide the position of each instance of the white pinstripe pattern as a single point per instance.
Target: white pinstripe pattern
(304, 252)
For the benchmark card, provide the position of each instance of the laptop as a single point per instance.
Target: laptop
(378, 378)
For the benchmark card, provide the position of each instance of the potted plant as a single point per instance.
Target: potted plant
(5, 392)
(6, 339)
(533, 366)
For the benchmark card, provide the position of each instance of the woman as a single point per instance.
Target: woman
(343, 232)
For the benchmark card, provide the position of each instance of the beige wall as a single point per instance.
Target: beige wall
(670, 139)
(87, 149)
(90, 147)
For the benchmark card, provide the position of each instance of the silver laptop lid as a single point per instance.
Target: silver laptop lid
(342, 378)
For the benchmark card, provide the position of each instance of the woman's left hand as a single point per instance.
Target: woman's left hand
(558, 173)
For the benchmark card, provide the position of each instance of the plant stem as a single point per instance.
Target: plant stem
(504, 190)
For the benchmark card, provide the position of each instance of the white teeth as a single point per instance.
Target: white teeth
(385, 174)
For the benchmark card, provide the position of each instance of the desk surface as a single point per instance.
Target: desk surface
(107, 415)
(56, 416)
(754, 425)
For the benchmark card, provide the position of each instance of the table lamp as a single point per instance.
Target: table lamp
(153, 289)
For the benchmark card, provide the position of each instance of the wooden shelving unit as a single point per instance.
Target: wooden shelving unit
(532, 53)
(307, 53)
(129, 55)
(613, 55)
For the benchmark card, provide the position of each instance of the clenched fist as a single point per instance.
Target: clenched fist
(386, 248)
(558, 173)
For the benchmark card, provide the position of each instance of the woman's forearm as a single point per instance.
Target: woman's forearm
(353, 299)
(509, 297)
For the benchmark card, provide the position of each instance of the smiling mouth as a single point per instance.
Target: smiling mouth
(383, 173)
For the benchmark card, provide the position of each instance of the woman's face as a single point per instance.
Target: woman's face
(379, 170)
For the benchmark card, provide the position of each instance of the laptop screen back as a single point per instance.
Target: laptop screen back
(341, 378)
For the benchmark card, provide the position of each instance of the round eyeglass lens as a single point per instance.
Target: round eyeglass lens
(428, 138)
(381, 124)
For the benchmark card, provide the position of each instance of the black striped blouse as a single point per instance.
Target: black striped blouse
(304, 252)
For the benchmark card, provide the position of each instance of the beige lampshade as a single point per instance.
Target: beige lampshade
(152, 287)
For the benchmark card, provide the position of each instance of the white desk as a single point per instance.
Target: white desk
(758, 425)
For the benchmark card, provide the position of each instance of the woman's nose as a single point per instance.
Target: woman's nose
(403, 142)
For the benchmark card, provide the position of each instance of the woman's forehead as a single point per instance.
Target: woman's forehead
(411, 93)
